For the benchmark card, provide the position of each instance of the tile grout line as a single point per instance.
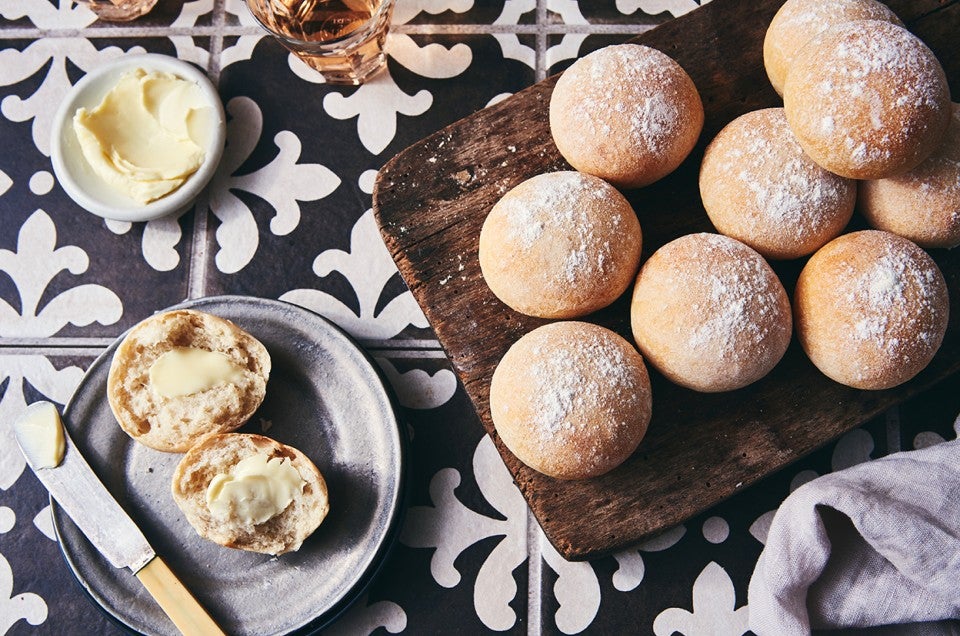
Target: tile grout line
(91, 350)
(540, 72)
(402, 348)
(197, 278)
(534, 576)
(21, 33)
(53, 342)
(197, 270)
(216, 42)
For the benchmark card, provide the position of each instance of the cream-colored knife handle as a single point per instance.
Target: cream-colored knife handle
(184, 610)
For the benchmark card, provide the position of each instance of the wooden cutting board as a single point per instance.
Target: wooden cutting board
(430, 202)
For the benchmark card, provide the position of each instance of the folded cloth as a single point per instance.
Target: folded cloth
(874, 544)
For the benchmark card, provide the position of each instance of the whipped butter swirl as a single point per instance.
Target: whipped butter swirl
(143, 139)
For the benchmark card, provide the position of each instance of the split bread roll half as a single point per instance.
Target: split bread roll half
(250, 492)
(180, 375)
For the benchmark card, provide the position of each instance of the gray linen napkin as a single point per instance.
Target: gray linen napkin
(874, 544)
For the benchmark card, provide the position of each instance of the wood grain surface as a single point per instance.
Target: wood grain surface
(430, 202)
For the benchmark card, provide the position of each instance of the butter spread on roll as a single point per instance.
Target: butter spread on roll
(250, 492)
(255, 489)
(144, 138)
(188, 370)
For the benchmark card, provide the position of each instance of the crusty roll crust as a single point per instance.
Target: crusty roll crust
(216, 454)
(571, 399)
(922, 205)
(710, 314)
(626, 113)
(798, 21)
(560, 245)
(759, 187)
(174, 424)
(871, 309)
(867, 100)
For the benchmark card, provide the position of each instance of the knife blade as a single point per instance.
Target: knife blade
(81, 494)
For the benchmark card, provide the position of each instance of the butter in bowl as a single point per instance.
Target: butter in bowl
(138, 138)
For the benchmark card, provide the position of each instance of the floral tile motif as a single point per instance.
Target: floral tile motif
(631, 12)
(43, 14)
(30, 596)
(692, 580)
(448, 12)
(562, 51)
(164, 14)
(91, 282)
(283, 215)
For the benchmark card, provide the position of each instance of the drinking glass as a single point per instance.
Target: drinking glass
(342, 39)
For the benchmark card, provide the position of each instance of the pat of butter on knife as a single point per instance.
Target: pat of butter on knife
(61, 468)
(39, 432)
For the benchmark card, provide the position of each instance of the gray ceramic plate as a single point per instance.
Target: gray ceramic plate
(325, 398)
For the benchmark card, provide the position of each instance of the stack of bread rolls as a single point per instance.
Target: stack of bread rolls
(867, 124)
(867, 100)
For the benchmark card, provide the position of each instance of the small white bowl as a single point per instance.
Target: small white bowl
(90, 191)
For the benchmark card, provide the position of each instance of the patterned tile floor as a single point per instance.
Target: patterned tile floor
(288, 216)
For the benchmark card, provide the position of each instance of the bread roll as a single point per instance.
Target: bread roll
(871, 309)
(216, 455)
(867, 100)
(922, 205)
(571, 400)
(798, 21)
(560, 245)
(759, 187)
(626, 113)
(173, 423)
(709, 313)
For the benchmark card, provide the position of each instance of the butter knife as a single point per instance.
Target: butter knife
(81, 494)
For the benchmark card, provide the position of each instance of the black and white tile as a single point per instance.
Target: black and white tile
(288, 216)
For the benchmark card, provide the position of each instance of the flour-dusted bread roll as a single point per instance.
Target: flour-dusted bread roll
(871, 309)
(922, 205)
(571, 400)
(183, 374)
(759, 187)
(560, 245)
(250, 492)
(867, 99)
(626, 113)
(798, 21)
(709, 313)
